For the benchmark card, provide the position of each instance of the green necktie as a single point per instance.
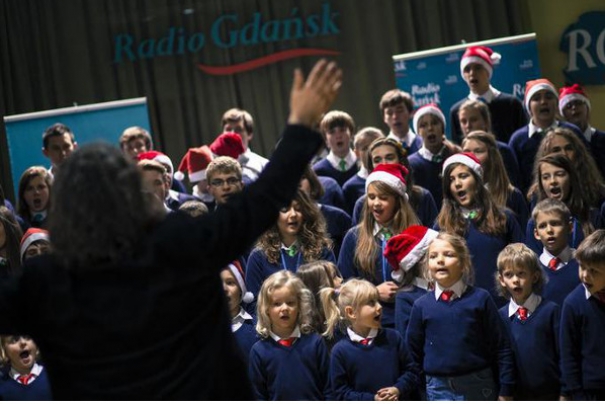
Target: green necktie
(386, 233)
(437, 158)
(292, 250)
(343, 165)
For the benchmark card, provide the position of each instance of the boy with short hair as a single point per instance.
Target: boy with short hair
(553, 227)
(58, 142)
(341, 162)
(154, 177)
(397, 107)
(224, 176)
(583, 324)
(135, 140)
(355, 186)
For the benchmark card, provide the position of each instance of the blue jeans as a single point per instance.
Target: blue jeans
(476, 386)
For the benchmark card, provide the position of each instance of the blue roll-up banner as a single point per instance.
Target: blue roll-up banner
(89, 123)
(434, 75)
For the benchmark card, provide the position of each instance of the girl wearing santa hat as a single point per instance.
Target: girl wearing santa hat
(386, 212)
(426, 163)
(483, 145)
(469, 211)
(298, 236)
(243, 324)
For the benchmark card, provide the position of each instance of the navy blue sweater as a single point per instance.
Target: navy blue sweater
(353, 189)
(298, 372)
(333, 195)
(517, 203)
(382, 272)
(582, 347)
(12, 390)
(358, 371)
(324, 168)
(561, 282)
(460, 337)
(427, 174)
(510, 162)
(404, 301)
(338, 222)
(535, 343)
(246, 336)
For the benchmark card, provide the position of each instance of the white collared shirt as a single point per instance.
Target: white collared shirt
(531, 304)
(353, 336)
(35, 371)
(487, 96)
(458, 288)
(588, 133)
(408, 139)
(252, 164)
(334, 160)
(378, 231)
(363, 173)
(239, 319)
(295, 334)
(587, 293)
(427, 155)
(533, 129)
(564, 258)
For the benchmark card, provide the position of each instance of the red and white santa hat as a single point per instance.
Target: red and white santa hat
(482, 55)
(404, 250)
(575, 92)
(237, 271)
(228, 144)
(431, 108)
(391, 174)
(32, 235)
(466, 158)
(533, 86)
(157, 156)
(195, 162)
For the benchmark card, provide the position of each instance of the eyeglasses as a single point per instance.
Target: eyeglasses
(218, 182)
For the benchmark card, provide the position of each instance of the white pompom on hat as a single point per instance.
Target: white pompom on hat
(482, 55)
(237, 271)
(466, 158)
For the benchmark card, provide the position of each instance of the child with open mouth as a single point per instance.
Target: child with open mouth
(34, 197)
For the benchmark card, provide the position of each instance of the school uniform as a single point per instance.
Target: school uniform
(582, 348)
(458, 342)
(243, 326)
(333, 195)
(35, 388)
(404, 301)
(411, 142)
(156, 325)
(296, 372)
(506, 111)
(425, 208)
(338, 223)
(535, 342)
(331, 167)
(427, 169)
(517, 203)
(562, 274)
(175, 199)
(484, 250)
(252, 165)
(359, 366)
(510, 162)
(382, 271)
(354, 188)
(596, 140)
(525, 142)
(258, 267)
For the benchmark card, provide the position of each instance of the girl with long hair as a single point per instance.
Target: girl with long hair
(34, 203)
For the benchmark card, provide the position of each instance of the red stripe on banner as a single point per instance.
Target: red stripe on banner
(265, 60)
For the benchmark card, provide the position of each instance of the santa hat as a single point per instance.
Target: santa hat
(195, 162)
(32, 235)
(391, 174)
(466, 158)
(533, 86)
(237, 271)
(404, 250)
(228, 144)
(157, 156)
(481, 55)
(574, 92)
(428, 109)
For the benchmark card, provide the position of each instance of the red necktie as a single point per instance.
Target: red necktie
(446, 295)
(286, 341)
(365, 341)
(24, 379)
(522, 313)
(554, 263)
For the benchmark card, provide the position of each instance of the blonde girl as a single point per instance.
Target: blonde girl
(370, 363)
(290, 362)
(455, 332)
(386, 213)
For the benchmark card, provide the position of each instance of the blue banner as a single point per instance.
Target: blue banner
(89, 123)
(434, 75)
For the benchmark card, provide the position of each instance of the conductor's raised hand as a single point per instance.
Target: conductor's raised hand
(310, 99)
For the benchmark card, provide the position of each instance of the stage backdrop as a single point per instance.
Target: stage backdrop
(434, 75)
(89, 123)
